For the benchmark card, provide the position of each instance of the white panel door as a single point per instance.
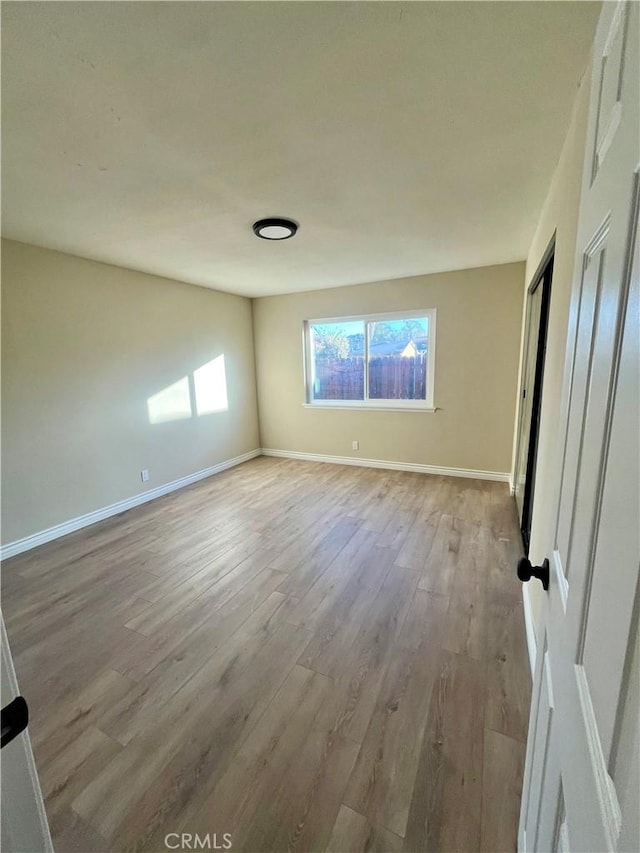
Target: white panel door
(581, 777)
(23, 822)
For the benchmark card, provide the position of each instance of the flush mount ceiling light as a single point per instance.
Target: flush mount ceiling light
(275, 229)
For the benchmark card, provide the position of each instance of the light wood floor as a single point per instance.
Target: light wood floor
(309, 657)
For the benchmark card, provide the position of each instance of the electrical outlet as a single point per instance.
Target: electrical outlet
(144, 475)
(355, 445)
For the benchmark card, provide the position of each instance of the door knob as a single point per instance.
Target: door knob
(15, 718)
(526, 571)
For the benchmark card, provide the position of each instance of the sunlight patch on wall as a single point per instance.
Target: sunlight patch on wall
(207, 385)
(210, 382)
(173, 403)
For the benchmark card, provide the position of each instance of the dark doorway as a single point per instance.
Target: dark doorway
(535, 345)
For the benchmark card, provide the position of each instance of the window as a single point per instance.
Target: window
(377, 361)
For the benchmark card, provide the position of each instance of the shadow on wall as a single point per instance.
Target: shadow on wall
(204, 392)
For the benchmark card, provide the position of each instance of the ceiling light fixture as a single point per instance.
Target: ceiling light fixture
(275, 229)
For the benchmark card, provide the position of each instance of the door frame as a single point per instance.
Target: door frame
(543, 277)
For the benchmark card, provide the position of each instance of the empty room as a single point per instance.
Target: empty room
(320, 469)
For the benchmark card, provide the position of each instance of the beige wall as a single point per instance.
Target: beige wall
(559, 215)
(478, 332)
(84, 345)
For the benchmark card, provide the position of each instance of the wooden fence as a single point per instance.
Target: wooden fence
(391, 377)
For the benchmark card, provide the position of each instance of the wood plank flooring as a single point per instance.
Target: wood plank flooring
(308, 657)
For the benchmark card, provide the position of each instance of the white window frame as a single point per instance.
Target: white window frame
(367, 404)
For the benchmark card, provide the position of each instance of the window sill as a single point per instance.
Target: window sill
(354, 407)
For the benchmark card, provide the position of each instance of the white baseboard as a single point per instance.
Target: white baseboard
(522, 841)
(530, 630)
(499, 476)
(51, 533)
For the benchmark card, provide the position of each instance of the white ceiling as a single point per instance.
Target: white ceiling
(404, 137)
